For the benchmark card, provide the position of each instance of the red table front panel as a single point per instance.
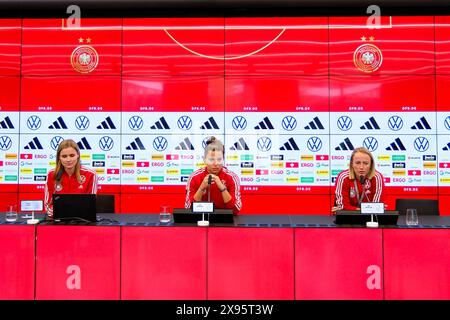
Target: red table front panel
(250, 263)
(17, 262)
(163, 263)
(417, 264)
(338, 264)
(78, 262)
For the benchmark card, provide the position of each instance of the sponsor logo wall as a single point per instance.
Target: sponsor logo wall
(290, 97)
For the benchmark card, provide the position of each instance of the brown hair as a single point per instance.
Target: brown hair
(352, 174)
(213, 144)
(59, 167)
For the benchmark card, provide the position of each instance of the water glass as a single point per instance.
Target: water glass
(11, 213)
(411, 217)
(165, 215)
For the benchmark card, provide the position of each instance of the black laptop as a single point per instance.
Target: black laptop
(74, 207)
(357, 218)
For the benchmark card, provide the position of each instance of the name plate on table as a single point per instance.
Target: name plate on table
(202, 207)
(357, 218)
(372, 207)
(187, 216)
(31, 205)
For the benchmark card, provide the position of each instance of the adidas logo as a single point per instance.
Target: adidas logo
(34, 144)
(315, 124)
(370, 125)
(346, 145)
(136, 145)
(161, 124)
(107, 124)
(240, 145)
(58, 124)
(210, 124)
(421, 124)
(396, 145)
(185, 145)
(447, 147)
(83, 144)
(265, 124)
(290, 145)
(6, 124)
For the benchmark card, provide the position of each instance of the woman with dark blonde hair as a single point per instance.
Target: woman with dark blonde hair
(224, 184)
(359, 183)
(69, 176)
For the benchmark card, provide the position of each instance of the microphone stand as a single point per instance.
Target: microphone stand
(203, 222)
(32, 220)
(371, 223)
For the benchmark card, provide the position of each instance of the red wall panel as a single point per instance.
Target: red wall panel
(49, 46)
(150, 202)
(268, 46)
(184, 46)
(382, 93)
(10, 39)
(442, 26)
(406, 45)
(442, 92)
(172, 94)
(276, 93)
(70, 93)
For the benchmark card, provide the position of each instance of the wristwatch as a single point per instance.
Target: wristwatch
(222, 190)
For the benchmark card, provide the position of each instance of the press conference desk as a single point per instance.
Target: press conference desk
(256, 257)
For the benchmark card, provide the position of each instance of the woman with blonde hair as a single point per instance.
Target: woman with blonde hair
(68, 176)
(359, 183)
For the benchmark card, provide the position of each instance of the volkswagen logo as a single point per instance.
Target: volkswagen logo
(184, 123)
(239, 123)
(160, 143)
(135, 123)
(314, 144)
(34, 123)
(82, 122)
(447, 123)
(421, 144)
(5, 143)
(106, 143)
(54, 143)
(264, 144)
(395, 123)
(344, 123)
(370, 143)
(289, 123)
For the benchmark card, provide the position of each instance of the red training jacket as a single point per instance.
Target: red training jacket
(230, 181)
(346, 195)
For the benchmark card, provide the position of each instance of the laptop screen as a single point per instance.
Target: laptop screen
(79, 207)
